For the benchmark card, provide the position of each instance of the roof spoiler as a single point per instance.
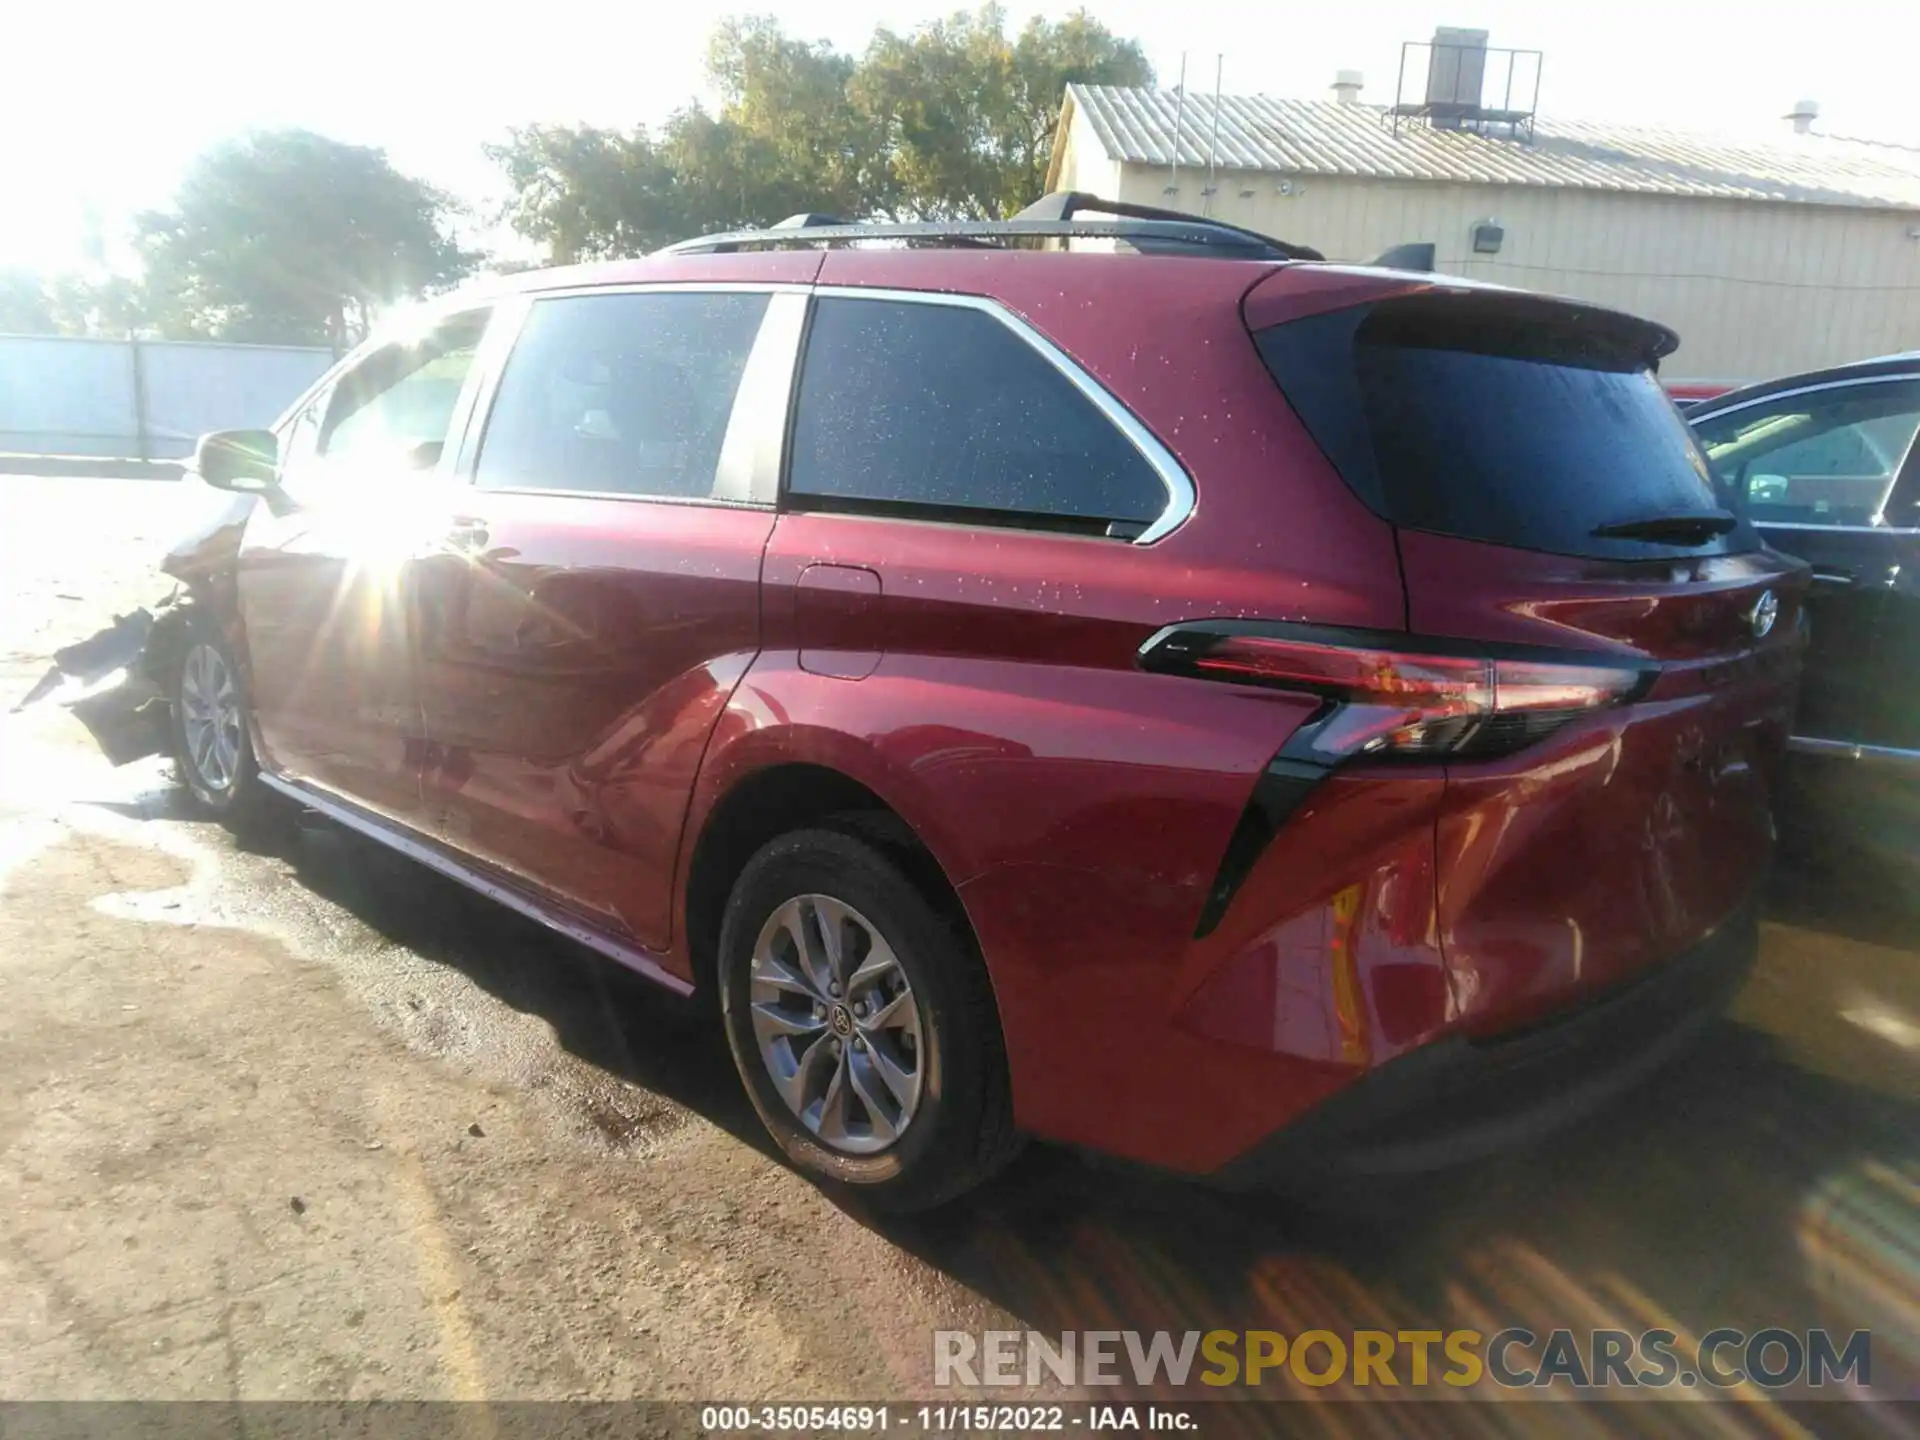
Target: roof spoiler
(1415, 255)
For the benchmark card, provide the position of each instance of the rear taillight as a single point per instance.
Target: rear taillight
(1398, 695)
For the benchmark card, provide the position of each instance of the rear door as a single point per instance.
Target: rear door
(1898, 648)
(1820, 471)
(1548, 495)
(596, 597)
(957, 517)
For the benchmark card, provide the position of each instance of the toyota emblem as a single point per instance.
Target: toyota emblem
(1765, 611)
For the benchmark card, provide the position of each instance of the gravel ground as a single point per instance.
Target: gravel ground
(302, 1120)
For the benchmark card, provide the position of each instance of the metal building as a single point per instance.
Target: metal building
(1767, 256)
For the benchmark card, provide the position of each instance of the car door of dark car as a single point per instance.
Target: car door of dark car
(600, 599)
(1898, 654)
(322, 568)
(1824, 473)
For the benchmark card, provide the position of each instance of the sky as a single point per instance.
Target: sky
(113, 104)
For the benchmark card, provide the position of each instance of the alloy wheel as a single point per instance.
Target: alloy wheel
(210, 718)
(836, 1023)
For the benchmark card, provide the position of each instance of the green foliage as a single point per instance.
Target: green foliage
(801, 139)
(110, 305)
(585, 192)
(24, 305)
(955, 120)
(970, 114)
(287, 236)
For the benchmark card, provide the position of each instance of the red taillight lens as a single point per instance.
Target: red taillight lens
(1400, 701)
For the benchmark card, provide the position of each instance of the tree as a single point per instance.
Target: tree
(954, 120)
(589, 193)
(291, 237)
(585, 192)
(112, 305)
(804, 141)
(970, 114)
(24, 306)
(69, 304)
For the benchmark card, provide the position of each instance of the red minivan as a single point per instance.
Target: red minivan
(1258, 717)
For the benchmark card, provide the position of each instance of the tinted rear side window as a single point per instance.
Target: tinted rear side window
(942, 410)
(1520, 429)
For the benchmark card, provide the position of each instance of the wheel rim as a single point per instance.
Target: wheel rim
(210, 717)
(837, 1024)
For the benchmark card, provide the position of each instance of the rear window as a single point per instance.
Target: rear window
(1522, 423)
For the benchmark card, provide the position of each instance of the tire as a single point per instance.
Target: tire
(941, 1033)
(212, 742)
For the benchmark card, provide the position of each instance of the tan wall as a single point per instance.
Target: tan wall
(1753, 289)
(1084, 166)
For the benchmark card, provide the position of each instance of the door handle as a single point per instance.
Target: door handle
(467, 534)
(1832, 579)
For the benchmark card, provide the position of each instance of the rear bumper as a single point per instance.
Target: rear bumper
(1459, 1100)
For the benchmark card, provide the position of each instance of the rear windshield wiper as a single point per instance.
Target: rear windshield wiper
(1675, 527)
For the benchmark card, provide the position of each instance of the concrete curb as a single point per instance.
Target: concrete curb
(92, 467)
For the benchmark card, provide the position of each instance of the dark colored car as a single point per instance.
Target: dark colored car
(1689, 393)
(1826, 467)
(1240, 713)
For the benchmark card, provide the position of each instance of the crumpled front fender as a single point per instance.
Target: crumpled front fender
(115, 681)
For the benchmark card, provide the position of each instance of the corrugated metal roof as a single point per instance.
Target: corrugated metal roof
(1318, 137)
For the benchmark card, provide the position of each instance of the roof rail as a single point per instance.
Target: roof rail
(808, 219)
(1066, 204)
(1147, 229)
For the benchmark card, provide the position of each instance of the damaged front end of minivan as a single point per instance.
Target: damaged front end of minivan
(118, 682)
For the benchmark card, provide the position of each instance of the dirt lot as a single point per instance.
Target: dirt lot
(302, 1120)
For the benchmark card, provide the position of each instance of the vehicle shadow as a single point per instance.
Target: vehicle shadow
(1770, 1177)
(600, 1012)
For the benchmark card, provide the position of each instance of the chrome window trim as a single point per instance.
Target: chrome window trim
(1837, 529)
(632, 956)
(1909, 377)
(631, 498)
(1180, 492)
(950, 522)
(667, 287)
(750, 446)
(1891, 755)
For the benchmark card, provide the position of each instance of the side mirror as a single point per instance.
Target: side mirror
(246, 461)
